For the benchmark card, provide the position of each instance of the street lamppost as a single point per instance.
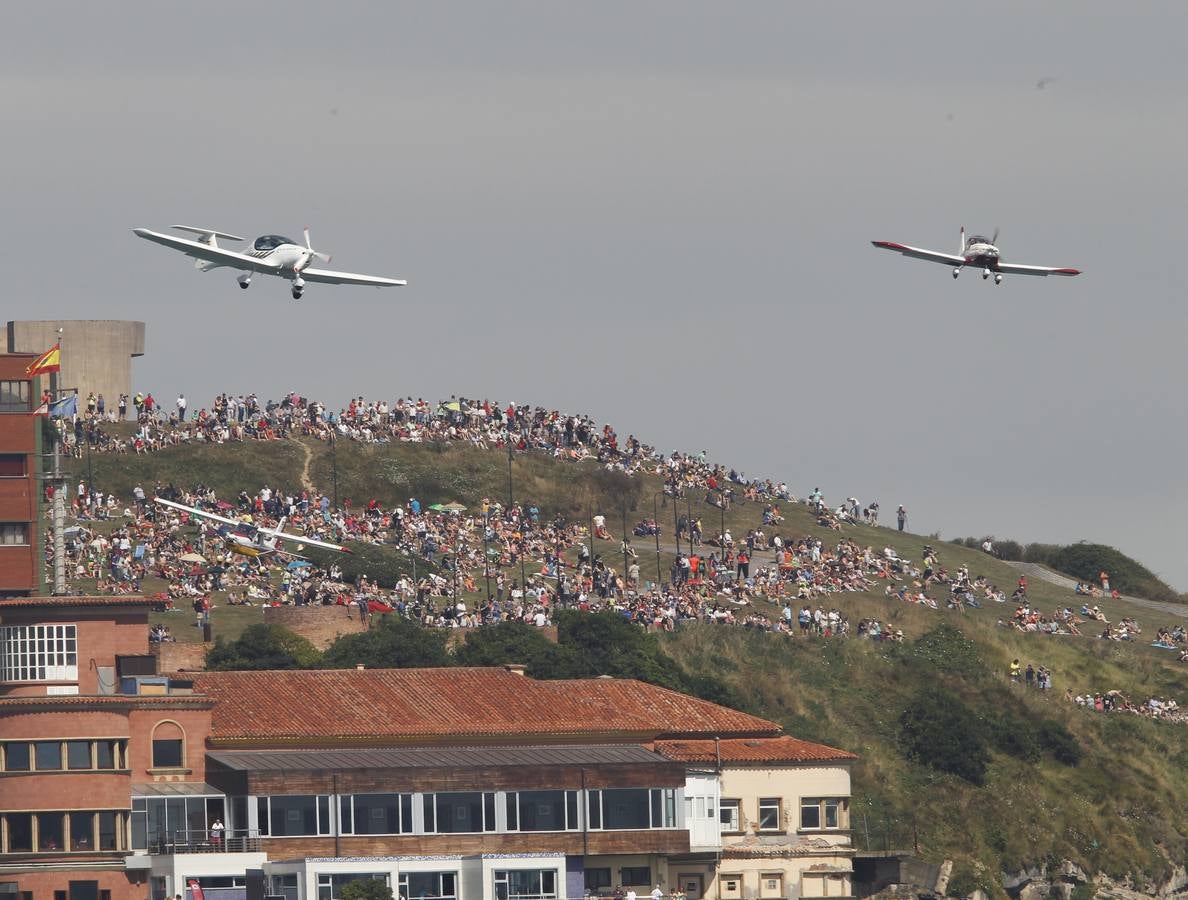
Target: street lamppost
(334, 460)
(624, 508)
(656, 523)
(689, 502)
(486, 549)
(509, 470)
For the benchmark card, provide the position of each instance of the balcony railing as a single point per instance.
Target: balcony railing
(183, 841)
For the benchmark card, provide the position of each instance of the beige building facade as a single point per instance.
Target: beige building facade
(783, 816)
(97, 354)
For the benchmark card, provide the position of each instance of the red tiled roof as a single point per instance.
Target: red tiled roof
(406, 705)
(750, 750)
(27, 602)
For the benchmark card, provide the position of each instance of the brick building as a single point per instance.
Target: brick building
(446, 784)
(20, 454)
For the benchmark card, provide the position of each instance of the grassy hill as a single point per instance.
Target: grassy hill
(1116, 809)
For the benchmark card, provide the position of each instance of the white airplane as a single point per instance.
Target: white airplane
(250, 540)
(270, 254)
(979, 252)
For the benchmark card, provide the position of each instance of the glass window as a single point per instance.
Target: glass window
(429, 886)
(51, 832)
(635, 875)
(542, 810)
(48, 755)
(14, 396)
(37, 652)
(20, 832)
(12, 465)
(526, 884)
(378, 814)
(82, 824)
(293, 816)
(596, 879)
(330, 886)
(105, 754)
(461, 812)
(107, 831)
(167, 754)
(626, 808)
(833, 812)
(14, 534)
(769, 814)
(78, 754)
(16, 757)
(810, 814)
(728, 814)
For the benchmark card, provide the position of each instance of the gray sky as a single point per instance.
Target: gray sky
(657, 213)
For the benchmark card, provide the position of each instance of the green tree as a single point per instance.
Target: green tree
(940, 731)
(515, 642)
(392, 642)
(607, 643)
(263, 647)
(365, 889)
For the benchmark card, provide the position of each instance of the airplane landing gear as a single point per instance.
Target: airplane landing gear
(985, 274)
(956, 271)
(245, 281)
(998, 278)
(298, 288)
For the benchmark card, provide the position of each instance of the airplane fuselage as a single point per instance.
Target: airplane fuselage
(981, 253)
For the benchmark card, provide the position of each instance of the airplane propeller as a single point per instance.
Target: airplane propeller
(324, 257)
(993, 240)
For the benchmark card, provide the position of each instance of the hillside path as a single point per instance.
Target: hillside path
(1043, 573)
(306, 481)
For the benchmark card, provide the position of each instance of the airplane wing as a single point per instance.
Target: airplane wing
(204, 251)
(313, 542)
(949, 259)
(326, 276)
(238, 523)
(1009, 269)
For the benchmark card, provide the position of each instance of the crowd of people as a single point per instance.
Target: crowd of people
(1161, 708)
(520, 564)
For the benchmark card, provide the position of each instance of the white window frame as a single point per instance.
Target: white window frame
(768, 803)
(841, 804)
(730, 804)
(38, 653)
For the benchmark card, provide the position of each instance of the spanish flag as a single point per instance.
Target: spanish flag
(50, 361)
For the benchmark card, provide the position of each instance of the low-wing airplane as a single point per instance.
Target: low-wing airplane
(979, 252)
(270, 254)
(250, 540)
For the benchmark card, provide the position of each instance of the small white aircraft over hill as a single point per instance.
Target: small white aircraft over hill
(250, 540)
(270, 254)
(979, 252)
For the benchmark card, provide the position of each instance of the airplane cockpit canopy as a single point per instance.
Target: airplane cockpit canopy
(271, 242)
(978, 239)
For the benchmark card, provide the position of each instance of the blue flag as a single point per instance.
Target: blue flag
(67, 406)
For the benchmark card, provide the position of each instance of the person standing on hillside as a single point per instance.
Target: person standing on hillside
(181, 407)
(1105, 581)
(901, 516)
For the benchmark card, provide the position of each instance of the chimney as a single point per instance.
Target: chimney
(516, 668)
(359, 667)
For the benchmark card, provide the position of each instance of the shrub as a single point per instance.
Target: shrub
(1054, 738)
(938, 730)
(1012, 551)
(947, 649)
(263, 647)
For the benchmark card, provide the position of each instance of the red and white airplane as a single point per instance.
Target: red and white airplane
(270, 254)
(978, 252)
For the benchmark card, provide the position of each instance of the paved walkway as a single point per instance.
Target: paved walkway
(1043, 573)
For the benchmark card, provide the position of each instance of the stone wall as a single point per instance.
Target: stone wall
(320, 625)
(179, 656)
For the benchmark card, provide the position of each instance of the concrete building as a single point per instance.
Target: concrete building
(96, 353)
(20, 455)
(444, 784)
